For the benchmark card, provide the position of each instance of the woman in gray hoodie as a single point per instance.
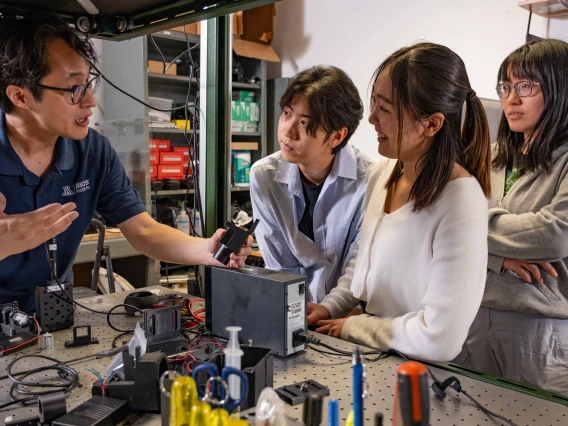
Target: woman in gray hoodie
(521, 330)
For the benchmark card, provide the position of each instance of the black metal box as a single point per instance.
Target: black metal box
(269, 306)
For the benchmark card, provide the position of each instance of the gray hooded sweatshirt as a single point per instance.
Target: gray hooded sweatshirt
(530, 224)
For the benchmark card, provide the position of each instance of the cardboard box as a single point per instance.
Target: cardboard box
(181, 123)
(249, 126)
(236, 126)
(236, 111)
(154, 144)
(244, 95)
(154, 157)
(245, 111)
(164, 145)
(244, 146)
(254, 111)
(158, 67)
(153, 172)
(171, 158)
(255, 29)
(194, 28)
(184, 150)
(170, 171)
(187, 171)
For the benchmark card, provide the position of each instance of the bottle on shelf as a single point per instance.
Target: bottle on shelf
(182, 221)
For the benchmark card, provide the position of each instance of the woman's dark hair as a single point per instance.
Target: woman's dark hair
(332, 99)
(544, 62)
(428, 78)
(23, 51)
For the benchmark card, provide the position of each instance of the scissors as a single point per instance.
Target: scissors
(221, 397)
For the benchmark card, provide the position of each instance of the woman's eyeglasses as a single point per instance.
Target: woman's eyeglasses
(522, 89)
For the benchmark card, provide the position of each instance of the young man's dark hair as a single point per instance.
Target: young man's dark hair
(332, 99)
(23, 52)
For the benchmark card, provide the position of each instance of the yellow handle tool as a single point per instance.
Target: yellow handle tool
(184, 396)
(219, 417)
(200, 414)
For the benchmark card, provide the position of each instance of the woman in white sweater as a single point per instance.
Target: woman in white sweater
(421, 264)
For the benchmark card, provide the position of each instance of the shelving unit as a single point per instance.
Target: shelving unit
(127, 123)
(252, 68)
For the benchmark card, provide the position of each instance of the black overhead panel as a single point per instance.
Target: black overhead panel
(124, 19)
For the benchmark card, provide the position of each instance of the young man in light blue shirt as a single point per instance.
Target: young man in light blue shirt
(309, 196)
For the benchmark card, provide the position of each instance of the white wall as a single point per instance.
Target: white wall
(357, 35)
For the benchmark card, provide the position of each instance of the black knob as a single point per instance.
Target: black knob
(313, 409)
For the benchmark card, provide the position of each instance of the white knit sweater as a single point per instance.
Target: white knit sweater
(422, 273)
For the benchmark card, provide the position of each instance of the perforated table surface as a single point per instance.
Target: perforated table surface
(332, 371)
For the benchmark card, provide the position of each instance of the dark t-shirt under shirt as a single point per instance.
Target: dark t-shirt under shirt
(311, 195)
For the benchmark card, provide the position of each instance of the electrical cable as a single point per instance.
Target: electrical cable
(64, 372)
(529, 24)
(438, 386)
(135, 98)
(72, 301)
(118, 336)
(160, 52)
(38, 335)
(453, 382)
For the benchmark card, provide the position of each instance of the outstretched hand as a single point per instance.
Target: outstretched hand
(22, 232)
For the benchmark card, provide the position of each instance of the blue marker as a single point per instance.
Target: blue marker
(358, 378)
(333, 412)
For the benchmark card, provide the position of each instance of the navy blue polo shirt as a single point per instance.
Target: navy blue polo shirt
(86, 172)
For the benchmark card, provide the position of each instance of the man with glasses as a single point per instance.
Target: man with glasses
(55, 171)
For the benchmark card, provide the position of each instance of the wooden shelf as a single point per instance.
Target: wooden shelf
(166, 192)
(246, 134)
(237, 85)
(169, 130)
(544, 8)
(174, 80)
(240, 188)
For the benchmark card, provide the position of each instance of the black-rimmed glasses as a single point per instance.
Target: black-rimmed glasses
(522, 89)
(77, 91)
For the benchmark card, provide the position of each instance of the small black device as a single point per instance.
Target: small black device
(233, 240)
(54, 309)
(269, 305)
(296, 393)
(14, 329)
(171, 184)
(81, 339)
(97, 411)
(141, 384)
(162, 328)
(157, 185)
(141, 300)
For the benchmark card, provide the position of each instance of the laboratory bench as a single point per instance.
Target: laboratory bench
(332, 371)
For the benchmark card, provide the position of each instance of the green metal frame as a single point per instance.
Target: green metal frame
(216, 110)
(499, 381)
(161, 18)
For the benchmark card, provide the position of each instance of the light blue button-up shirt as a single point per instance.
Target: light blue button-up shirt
(278, 201)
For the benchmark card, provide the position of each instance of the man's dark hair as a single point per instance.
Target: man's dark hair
(428, 78)
(544, 62)
(332, 99)
(23, 51)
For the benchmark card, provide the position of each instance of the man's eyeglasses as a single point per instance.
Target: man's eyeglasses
(522, 89)
(76, 93)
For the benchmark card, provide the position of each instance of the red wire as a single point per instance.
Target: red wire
(25, 343)
(194, 314)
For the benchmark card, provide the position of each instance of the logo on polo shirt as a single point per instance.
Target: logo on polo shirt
(76, 188)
